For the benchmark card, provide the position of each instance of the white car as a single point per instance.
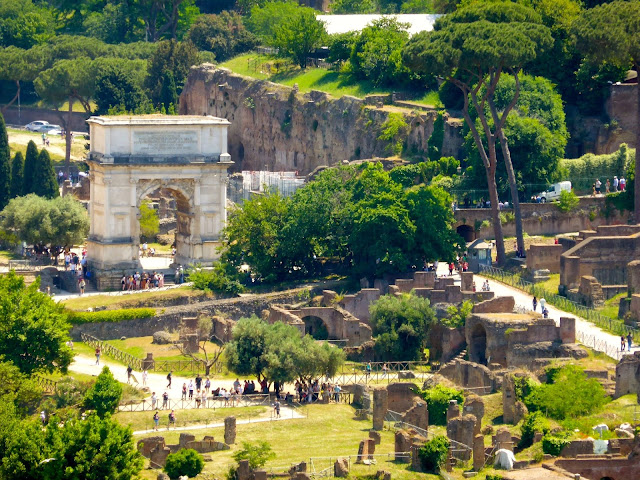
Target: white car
(34, 126)
(49, 129)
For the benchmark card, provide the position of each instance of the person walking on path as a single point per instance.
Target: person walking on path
(172, 419)
(165, 400)
(543, 302)
(129, 372)
(629, 340)
(622, 343)
(156, 420)
(144, 378)
(535, 303)
(276, 408)
(98, 352)
(82, 284)
(184, 391)
(169, 379)
(154, 401)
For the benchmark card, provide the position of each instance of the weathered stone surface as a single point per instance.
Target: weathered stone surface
(591, 290)
(460, 429)
(508, 399)
(543, 256)
(474, 405)
(341, 468)
(470, 375)
(366, 450)
(418, 415)
(519, 412)
(380, 406)
(478, 452)
(406, 375)
(375, 436)
(495, 305)
(402, 445)
(162, 476)
(453, 410)
(503, 439)
(230, 430)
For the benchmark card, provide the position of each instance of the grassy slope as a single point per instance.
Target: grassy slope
(129, 301)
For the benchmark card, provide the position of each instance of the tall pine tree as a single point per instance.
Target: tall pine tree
(44, 177)
(30, 163)
(5, 165)
(17, 175)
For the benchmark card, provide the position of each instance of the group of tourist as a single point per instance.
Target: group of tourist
(314, 391)
(628, 342)
(146, 251)
(543, 306)
(618, 185)
(144, 281)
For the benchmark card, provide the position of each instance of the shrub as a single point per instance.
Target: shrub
(162, 338)
(394, 131)
(553, 444)
(534, 422)
(69, 392)
(104, 396)
(568, 201)
(257, 453)
(583, 171)
(433, 454)
(457, 316)
(219, 279)
(184, 462)
(77, 318)
(437, 399)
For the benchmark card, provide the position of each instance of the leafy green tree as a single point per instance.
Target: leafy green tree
(533, 422)
(377, 52)
(170, 56)
(417, 6)
(265, 20)
(23, 24)
(30, 162)
(149, 222)
(245, 354)
(19, 388)
(342, 7)
(504, 36)
(18, 65)
(17, 175)
(44, 178)
(117, 86)
(184, 462)
(438, 399)
(168, 92)
(400, 326)
(33, 328)
(434, 453)
(258, 454)
(222, 278)
(611, 33)
(105, 395)
(5, 165)
(298, 36)
(62, 221)
(225, 35)
(340, 46)
(457, 315)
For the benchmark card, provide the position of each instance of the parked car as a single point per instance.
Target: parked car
(34, 126)
(55, 132)
(553, 192)
(49, 129)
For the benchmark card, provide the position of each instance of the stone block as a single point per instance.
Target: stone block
(478, 452)
(519, 412)
(568, 329)
(591, 290)
(162, 476)
(418, 415)
(508, 399)
(633, 276)
(628, 375)
(230, 430)
(474, 405)
(460, 429)
(406, 375)
(543, 256)
(453, 294)
(453, 410)
(259, 475)
(380, 406)
(243, 472)
(341, 468)
(375, 436)
(402, 445)
(185, 438)
(495, 305)
(466, 281)
(147, 445)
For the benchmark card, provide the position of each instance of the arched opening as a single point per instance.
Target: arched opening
(240, 152)
(315, 327)
(478, 345)
(467, 232)
(607, 478)
(170, 241)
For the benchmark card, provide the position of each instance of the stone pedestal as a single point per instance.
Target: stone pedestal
(230, 430)
(478, 452)
(380, 407)
(466, 281)
(474, 405)
(148, 363)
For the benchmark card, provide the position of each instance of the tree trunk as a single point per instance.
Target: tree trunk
(207, 369)
(506, 153)
(495, 213)
(67, 150)
(15, 97)
(636, 180)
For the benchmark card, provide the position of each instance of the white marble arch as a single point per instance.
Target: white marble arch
(190, 160)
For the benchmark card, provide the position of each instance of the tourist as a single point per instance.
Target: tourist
(98, 352)
(535, 303)
(276, 408)
(615, 183)
(198, 399)
(451, 268)
(144, 378)
(172, 419)
(336, 391)
(622, 343)
(165, 400)
(204, 398)
(607, 186)
(545, 312)
(368, 369)
(629, 340)
(190, 390)
(169, 379)
(623, 183)
(543, 302)
(598, 184)
(43, 417)
(384, 370)
(207, 385)
(184, 391)
(156, 420)
(82, 284)
(129, 371)
(198, 382)
(154, 401)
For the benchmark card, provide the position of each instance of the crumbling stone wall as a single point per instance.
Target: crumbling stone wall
(273, 125)
(543, 256)
(469, 375)
(628, 375)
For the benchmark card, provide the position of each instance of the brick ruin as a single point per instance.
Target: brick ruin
(157, 451)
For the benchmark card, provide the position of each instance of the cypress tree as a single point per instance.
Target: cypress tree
(44, 177)
(30, 161)
(5, 166)
(17, 175)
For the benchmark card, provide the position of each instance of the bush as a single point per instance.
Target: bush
(437, 399)
(553, 444)
(257, 453)
(568, 201)
(76, 318)
(104, 396)
(219, 279)
(162, 338)
(534, 422)
(583, 171)
(184, 462)
(69, 392)
(434, 453)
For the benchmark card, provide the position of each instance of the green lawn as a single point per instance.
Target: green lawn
(610, 308)
(131, 301)
(329, 432)
(265, 67)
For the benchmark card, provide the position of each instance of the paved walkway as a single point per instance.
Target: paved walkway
(586, 332)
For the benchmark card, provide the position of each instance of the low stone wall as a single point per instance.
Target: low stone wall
(470, 375)
(541, 256)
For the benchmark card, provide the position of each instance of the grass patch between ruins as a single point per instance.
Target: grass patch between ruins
(136, 300)
(610, 307)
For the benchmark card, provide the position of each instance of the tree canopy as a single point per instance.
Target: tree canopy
(33, 328)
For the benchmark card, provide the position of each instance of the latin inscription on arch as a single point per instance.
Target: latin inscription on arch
(165, 142)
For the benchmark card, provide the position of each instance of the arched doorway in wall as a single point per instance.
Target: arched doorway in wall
(478, 345)
(315, 327)
(467, 232)
(607, 478)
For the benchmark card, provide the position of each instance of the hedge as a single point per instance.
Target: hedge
(583, 171)
(76, 318)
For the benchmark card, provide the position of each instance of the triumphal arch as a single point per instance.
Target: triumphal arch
(130, 157)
